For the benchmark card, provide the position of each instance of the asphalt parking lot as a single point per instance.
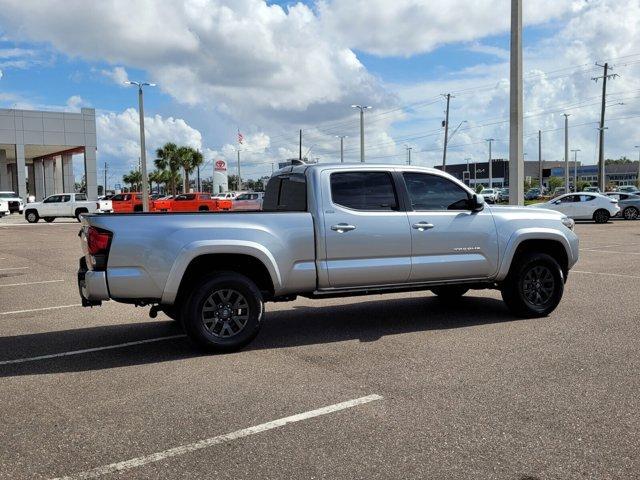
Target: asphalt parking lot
(412, 388)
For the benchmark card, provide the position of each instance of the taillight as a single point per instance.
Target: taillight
(98, 241)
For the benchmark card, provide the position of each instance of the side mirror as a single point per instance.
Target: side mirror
(477, 203)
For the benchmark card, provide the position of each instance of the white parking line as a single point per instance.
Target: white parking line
(607, 251)
(41, 309)
(40, 224)
(210, 442)
(88, 350)
(30, 283)
(606, 274)
(13, 268)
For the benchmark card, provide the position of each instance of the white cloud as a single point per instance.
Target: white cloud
(119, 136)
(117, 75)
(408, 27)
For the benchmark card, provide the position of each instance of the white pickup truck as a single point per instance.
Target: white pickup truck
(69, 205)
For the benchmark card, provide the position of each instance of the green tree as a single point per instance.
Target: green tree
(134, 179)
(189, 159)
(555, 182)
(168, 159)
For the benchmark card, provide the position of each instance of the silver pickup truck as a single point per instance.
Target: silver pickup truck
(326, 230)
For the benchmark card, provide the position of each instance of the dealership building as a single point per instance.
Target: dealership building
(37, 149)
(478, 173)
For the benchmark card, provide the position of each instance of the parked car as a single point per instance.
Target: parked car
(490, 194)
(65, 205)
(193, 202)
(4, 207)
(629, 204)
(592, 190)
(16, 204)
(503, 194)
(247, 201)
(326, 230)
(225, 200)
(583, 206)
(128, 202)
(533, 194)
(628, 189)
(558, 191)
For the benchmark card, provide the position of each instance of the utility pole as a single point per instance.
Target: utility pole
(300, 146)
(239, 185)
(143, 153)
(601, 171)
(516, 157)
(362, 108)
(540, 161)
(104, 189)
(408, 148)
(341, 137)
(490, 140)
(468, 172)
(446, 133)
(566, 153)
(198, 171)
(575, 169)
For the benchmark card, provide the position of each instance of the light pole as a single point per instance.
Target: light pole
(362, 108)
(575, 169)
(342, 137)
(490, 140)
(408, 148)
(516, 159)
(143, 154)
(468, 172)
(638, 174)
(566, 152)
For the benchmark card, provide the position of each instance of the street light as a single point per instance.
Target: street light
(362, 108)
(575, 169)
(143, 154)
(342, 137)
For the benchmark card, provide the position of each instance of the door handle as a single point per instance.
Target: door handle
(342, 227)
(422, 226)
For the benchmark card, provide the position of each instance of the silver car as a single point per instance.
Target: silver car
(247, 201)
(629, 204)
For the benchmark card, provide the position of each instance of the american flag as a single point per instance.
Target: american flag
(240, 137)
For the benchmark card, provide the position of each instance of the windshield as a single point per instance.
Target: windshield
(7, 195)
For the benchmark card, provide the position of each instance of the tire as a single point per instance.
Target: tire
(79, 212)
(32, 216)
(534, 285)
(450, 293)
(49, 219)
(630, 213)
(601, 216)
(217, 329)
(137, 208)
(203, 209)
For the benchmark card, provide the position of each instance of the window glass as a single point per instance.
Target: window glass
(568, 199)
(364, 191)
(52, 199)
(244, 196)
(586, 198)
(81, 197)
(432, 192)
(286, 193)
(65, 198)
(205, 197)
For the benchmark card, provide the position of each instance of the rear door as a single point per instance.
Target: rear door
(449, 240)
(367, 238)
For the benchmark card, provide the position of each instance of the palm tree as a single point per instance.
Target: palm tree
(189, 159)
(133, 178)
(168, 160)
(158, 177)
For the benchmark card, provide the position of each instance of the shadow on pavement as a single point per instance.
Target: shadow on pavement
(364, 321)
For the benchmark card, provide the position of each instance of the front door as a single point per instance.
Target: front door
(367, 235)
(450, 241)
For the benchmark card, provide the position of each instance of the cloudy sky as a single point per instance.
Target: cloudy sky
(270, 68)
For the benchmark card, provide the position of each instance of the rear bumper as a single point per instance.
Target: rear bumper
(91, 285)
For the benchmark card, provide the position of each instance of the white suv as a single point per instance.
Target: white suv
(16, 204)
